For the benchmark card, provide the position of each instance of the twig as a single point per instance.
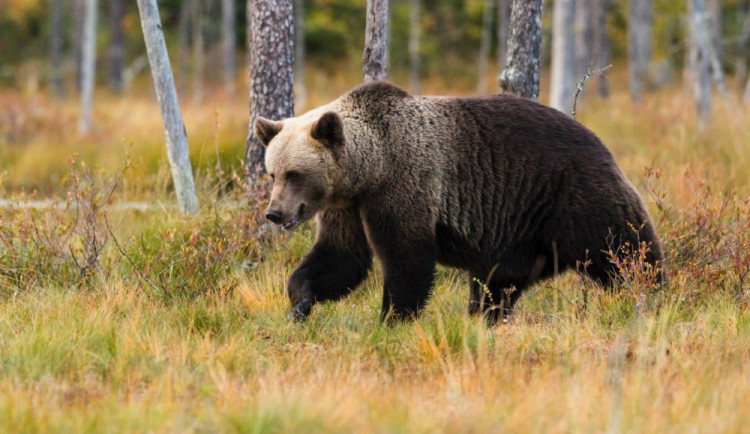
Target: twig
(589, 73)
(130, 260)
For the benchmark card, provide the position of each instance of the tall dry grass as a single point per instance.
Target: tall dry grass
(182, 328)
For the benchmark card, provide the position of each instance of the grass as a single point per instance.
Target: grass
(203, 344)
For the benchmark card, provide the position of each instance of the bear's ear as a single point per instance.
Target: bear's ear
(266, 129)
(329, 129)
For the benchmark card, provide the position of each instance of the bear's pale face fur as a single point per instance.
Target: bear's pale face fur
(299, 160)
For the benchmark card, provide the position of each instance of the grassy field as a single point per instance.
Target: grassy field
(115, 320)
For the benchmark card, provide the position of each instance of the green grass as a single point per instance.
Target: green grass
(204, 344)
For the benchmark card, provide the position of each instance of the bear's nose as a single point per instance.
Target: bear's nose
(274, 216)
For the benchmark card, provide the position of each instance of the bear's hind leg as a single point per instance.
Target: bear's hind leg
(336, 265)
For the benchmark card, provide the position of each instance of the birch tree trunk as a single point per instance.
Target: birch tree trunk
(414, 49)
(484, 47)
(271, 71)
(198, 51)
(116, 45)
(299, 54)
(229, 44)
(174, 127)
(88, 62)
(563, 52)
(700, 67)
(640, 23)
(600, 44)
(56, 46)
(521, 77)
(503, 30)
(375, 56)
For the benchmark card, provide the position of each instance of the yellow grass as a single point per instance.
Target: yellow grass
(107, 357)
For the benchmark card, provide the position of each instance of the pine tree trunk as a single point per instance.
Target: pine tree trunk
(503, 30)
(640, 23)
(521, 77)
(116, 45)
(375, 57)
(229, 44)
(88, 63)
(563, 54)
(198, 51)
(271, 71)
(299, 54)
(484, 47)
(601, 44)
(56, 46)
(174, 128)
(414, 50)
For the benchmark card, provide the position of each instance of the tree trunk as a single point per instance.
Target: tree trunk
(700, 65)
(484, 47)
(584, 37)
(198, 51)
(299, 53)
(563, 54)
(375, 57)
(56, 46)
(414, 50)
(271, 71)
(702, 34)
(601, 44)
(640, 23)
(521, 77)
(116, 45)
(174, 128)
(229, 44)
(746, 95)
(88, 69)
(503, 29)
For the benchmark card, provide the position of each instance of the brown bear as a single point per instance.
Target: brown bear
(500, 186)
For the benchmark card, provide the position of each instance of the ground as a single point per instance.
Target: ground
(182, 328)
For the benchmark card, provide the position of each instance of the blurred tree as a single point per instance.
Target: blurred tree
(88, 62)
(271, 71)
(78, 13)
(584, 37)
(116, 45)
(229, 43)
(503, 29)
(56, 47)
(699, 63)
(414, 51)
(521, 77)
(299, 54)
(484, 47)
(640, 23)
(174, 127)
(198, 50)
(375, 57)
(563, 56)
(600, 45)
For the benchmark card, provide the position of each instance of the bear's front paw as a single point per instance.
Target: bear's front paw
(300, 311)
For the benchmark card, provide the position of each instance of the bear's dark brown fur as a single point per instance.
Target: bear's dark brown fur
(499, 186)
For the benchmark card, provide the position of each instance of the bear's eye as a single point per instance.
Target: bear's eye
(291, 176)
(273, 178)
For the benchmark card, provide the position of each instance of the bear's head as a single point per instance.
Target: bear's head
(300, 157)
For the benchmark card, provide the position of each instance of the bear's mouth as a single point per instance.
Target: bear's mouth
(293, 223)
